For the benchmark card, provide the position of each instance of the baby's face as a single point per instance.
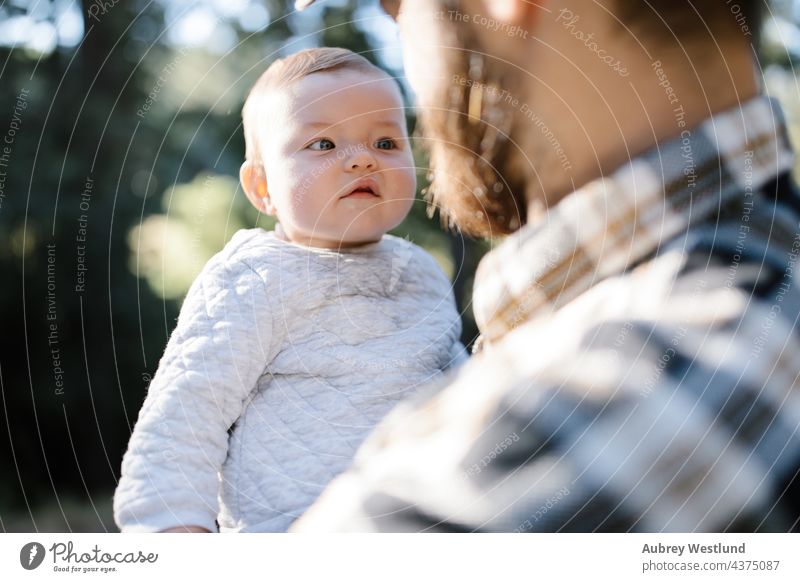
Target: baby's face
(337, 159)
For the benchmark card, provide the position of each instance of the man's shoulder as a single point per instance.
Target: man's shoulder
(687, 302)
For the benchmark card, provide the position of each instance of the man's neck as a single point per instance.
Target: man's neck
(606, 119)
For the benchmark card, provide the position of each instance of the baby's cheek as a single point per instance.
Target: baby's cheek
(304, 188)
(279, 184)
(405, 179)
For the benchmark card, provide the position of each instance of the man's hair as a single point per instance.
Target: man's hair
(286, 71)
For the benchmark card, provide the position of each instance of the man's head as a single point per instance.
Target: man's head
(522, 101)
(327, 149)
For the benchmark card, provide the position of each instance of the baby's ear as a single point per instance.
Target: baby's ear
(254, 182)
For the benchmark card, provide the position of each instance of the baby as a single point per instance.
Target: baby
(292, 345)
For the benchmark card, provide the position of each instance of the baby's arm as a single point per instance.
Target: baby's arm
(220, 347)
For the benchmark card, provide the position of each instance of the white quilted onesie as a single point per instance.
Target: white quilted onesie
(283, 360)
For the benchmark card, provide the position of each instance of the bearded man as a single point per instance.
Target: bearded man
(640, 356)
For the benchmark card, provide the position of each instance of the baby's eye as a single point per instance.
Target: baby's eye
(321, 144)
(386, 143)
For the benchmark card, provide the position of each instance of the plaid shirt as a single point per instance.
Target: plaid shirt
(641, 363)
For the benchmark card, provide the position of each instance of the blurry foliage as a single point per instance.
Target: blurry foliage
(169, 249)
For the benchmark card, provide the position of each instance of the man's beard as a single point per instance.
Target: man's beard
(467, 119)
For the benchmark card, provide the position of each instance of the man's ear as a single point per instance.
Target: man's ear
(254, 182)
(514, 12)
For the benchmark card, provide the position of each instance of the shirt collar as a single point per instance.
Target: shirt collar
(614, 222)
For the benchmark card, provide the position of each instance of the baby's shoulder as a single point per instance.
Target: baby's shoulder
(249, 252)
(251, 247)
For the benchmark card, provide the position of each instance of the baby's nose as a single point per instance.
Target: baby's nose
(361, 160)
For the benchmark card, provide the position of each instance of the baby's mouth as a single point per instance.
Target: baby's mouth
(364, 189)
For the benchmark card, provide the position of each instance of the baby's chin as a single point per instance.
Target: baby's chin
(360, 238)
(365, 232)
(362, 229)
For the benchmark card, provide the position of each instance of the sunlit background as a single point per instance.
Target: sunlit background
(120, 143)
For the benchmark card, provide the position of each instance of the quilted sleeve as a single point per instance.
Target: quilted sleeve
(220, 347)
